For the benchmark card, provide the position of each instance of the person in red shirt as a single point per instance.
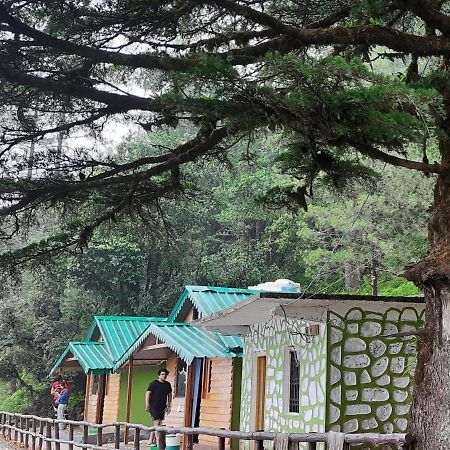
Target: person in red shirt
(55, 390)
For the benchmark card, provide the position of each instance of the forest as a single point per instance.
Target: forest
(223, 232)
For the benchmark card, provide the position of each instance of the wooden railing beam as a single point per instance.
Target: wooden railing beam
(41, 431)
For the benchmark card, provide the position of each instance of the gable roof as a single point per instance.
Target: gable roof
(186, 341)
(93, 357)
(210, 299)
(120, 332)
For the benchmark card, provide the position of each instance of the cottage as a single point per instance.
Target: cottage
(107, 339)
(324, 362)
(205, 368)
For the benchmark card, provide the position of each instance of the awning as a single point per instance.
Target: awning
(231, 342)
(183, 339)
(92, 357)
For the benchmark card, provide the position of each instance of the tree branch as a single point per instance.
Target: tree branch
(373, 152)
(147, 61)
(426, 11)
(200, 145)
(119, 102)
(366, 34)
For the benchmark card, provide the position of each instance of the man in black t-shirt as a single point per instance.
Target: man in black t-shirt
(158, 399)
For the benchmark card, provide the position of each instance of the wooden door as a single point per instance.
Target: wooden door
(100, 399)
(260, 391)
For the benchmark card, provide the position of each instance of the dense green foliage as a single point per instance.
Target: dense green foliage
(228, 72)
(222, 235)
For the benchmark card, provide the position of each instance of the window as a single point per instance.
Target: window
(180, 388)
(94, 390)
(294, 382)
(207, 376)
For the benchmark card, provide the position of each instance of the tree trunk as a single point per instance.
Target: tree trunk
(430, 414)
(352, 276)
(374, 278)
(12, 386)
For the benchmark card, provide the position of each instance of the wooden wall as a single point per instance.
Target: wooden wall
(189, 316)
(90, 404)
(111, 405)
(215, 406)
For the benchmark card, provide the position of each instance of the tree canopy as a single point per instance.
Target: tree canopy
(228, 70)
(222, 237)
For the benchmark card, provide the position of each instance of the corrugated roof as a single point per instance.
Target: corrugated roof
(189, 342)
(231, 342)
(93, 357)
(120, 332)
(186, 341)
(210, 299)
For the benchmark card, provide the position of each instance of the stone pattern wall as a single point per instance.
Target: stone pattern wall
(273, 338)
(369, 382)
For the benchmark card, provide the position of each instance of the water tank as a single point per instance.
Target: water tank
(280, 285)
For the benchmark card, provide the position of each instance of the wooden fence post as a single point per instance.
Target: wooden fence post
(48, 435)
(27, 436)
(71, 429)
(260, 444)
(292, 445)
(16, 432)
(99, 437)
(20, 426)
(10, 422)
(3, 427)
(221, 443)
(85, 434)
(57, 444)
(312, 445)
(33, 436)
(190, 442)
(137, 437)
(41, 432)
(117, 436)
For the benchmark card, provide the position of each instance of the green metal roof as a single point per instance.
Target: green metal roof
(186, 341)
(93, 357)
(120, 332)
(210, 299)
(231, 342)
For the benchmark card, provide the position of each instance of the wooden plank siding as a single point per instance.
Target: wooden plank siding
(111, 405)
(89, 413)
(189, 316)
(215, 406)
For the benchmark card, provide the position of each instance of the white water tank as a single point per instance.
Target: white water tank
(280, 285)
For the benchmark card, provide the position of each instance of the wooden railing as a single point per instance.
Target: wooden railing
(36, 432)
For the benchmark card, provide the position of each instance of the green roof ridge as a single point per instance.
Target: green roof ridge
(190, 289)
